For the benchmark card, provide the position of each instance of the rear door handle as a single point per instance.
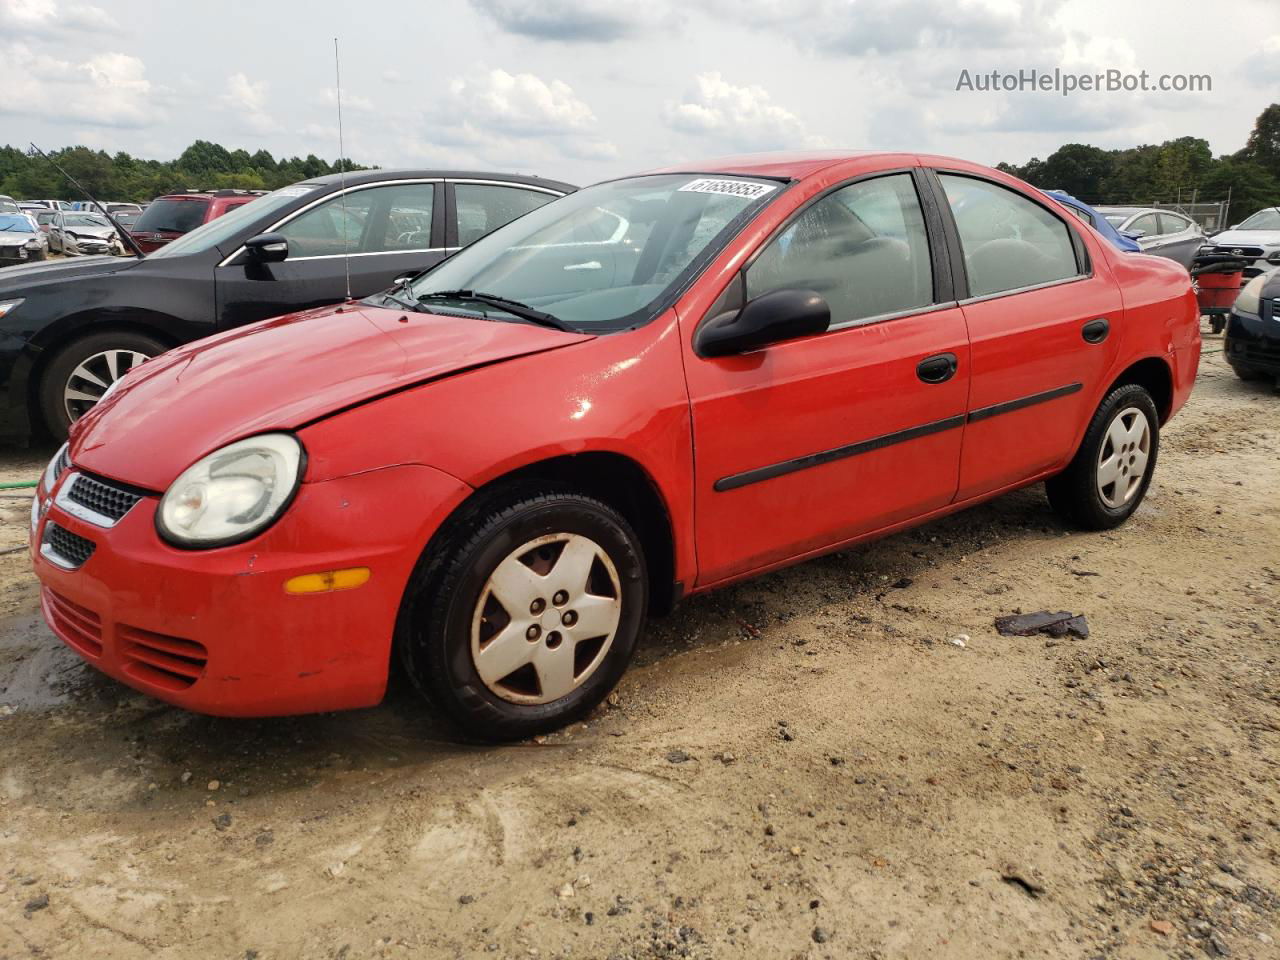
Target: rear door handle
(1095, 331)
(937, 369)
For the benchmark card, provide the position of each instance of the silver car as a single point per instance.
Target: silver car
(20, 239)
(1257, 239)
(1162, 233)
(81, 232)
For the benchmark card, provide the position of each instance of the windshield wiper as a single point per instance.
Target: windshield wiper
(513, 307)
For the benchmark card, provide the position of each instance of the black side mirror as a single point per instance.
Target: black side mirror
(268, 247)
(770, 318)
(1134, 234)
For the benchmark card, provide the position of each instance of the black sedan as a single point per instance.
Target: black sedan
(69, 329)
(1252, 344)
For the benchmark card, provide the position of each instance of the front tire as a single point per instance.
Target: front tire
(1110, 473)
(83, 370)
(523, 614)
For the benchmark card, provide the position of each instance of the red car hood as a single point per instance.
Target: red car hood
(278, 375)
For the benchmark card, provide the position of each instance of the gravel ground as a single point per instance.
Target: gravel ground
(807, 765)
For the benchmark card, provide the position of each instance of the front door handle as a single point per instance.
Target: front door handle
(937, 369)
(1095, 331)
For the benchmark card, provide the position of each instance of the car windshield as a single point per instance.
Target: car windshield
(1262, 220)
(85, 220)
(216, 232)
(174, 216)
(13, 223)
(605, 258)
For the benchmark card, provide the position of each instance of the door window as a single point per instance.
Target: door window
(863, 247)
(1146, 224)
(1172, 223)
(484, 207)
(375, 220)
(1008, 241)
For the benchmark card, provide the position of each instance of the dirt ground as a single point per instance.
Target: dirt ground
(802, 766)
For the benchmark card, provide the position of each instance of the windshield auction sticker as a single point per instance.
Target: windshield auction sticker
(746, 189)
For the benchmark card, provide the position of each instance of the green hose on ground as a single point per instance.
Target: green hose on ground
(18, 486)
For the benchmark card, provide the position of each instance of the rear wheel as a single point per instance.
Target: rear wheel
(80, 374)
(1109, 475)
(526, 615)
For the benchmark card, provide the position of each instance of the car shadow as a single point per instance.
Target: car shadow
(92, 723)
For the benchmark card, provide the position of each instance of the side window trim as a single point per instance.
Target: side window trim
(1084, 264)
(451, 202)
(940, 267)
(235, 257)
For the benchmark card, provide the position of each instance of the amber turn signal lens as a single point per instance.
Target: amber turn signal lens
(328, 581)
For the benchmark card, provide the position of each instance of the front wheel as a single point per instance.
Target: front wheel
(1109, 475)
(524, 615)
(80, 374)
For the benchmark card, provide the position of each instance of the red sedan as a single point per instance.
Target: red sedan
(649, 388)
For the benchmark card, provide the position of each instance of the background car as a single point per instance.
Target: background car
(70, 329)
(1252, 341)
(494, 473)
(20, 239)
(44, 220)
(1161, 233)
(76, 233)
(1096, 220)
(8, 205)
(169, 217)
(1257, 239)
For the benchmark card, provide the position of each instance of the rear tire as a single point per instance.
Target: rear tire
(83, 370)
(524, 612)
(1110, 473)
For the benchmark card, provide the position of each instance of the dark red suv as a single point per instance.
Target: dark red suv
(167, 218)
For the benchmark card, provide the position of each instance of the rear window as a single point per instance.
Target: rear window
(178, 216)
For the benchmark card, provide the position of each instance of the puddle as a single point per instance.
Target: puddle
(37, 672)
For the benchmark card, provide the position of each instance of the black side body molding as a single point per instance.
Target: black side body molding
(748, 477)
(983, 413)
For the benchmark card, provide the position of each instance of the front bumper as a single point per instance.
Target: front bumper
(1254, 341)
(213, 631)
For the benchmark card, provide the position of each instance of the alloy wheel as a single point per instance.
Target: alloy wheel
(1122, 461)
(546, 618)
(94, 375)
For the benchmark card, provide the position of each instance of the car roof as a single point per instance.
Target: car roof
(1131, 210)
(780, 165)
(358, 177)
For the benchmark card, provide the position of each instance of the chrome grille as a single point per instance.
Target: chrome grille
(1241, 251)
(64, 548)
(105, 499)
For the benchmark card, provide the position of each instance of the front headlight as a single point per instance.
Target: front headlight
(33, 244)
(54, 470)
(8, 306)
(232, 494)
(1250, 299)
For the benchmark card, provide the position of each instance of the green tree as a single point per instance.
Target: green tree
(1263, 145)
(1246, 184)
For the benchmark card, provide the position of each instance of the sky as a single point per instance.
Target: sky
(581, 90)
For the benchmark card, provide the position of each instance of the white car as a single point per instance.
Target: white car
(1257, 239)
(82, 232)
(21, 241)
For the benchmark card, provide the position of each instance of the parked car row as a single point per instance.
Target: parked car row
(71, 329)
(493, 470)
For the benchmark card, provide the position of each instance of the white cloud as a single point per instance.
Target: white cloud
(247, 102)
(521, 104)
(1263, 67)
(739, 118)
(107, 89)
(46, 18)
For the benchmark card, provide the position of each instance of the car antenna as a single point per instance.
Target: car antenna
(123, 233)
(342, 169)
